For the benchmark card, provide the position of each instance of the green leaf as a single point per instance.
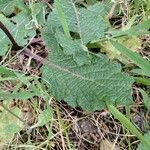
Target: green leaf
(146, 99)
(139, 29)
(143, 146)
(7, 7)
(140, 72)
(145, 81)
(136, 58)
(17, 26)
(127, 124)
(44, 117)
(24, 95)
(88, 86)
(24, 79)
(9, 125)
(88, 22)
(5, 71)
(62, 18)
(35, 8)
(73, 47)
(85, 24)
(91, 2)
(37, 11)
(21, 5)
(21, 94)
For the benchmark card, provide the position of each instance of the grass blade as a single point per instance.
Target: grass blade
(146, 99)
(62, 18)
(139, 72)
(6, 71)
(136, 58)
(139, 29)
(144, 81)
(127, 124)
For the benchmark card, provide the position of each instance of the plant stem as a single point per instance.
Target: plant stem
(7, 32)
(12, 113)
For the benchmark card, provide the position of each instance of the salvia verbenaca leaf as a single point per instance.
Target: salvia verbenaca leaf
(88, 85)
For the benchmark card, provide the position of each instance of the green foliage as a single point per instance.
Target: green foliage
(89, 85)
(37, 12)
(18, 81)
(5, 71)
(146, 99)
(22, 26)
(17, 25)
(62, 18)
(132, 42)
(44, 117)
(143, 146)
(139, 29)
(23, 91)
(9, 125)
(74, 47)
(136, 58)
(142, 7)
(8, 6)
(128, 125)
(140, 72)
(143, 80)
(88, 24)
(73, 73)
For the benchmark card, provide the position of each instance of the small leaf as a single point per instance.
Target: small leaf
(136, 30)
(36, 8)
(24, 79)
(32, 91)
(44, 117)
(37, 11)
